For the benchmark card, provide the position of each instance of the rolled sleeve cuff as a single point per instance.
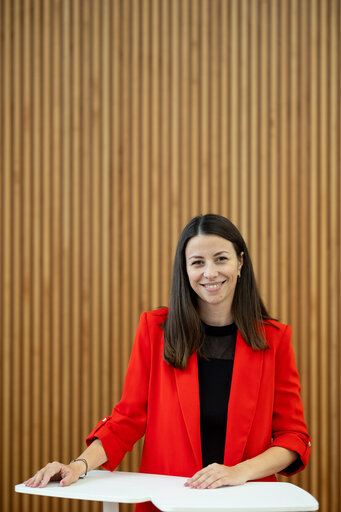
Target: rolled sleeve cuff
(113, 450)
(301, 446)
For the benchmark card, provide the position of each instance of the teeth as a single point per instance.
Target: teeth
(211, 286)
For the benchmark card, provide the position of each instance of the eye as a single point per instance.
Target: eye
(196, 263)
(222, 259)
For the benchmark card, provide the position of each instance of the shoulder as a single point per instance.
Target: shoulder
(155, 318)
(276, 332)
(150, 330)
(275, 325)
(156, 315)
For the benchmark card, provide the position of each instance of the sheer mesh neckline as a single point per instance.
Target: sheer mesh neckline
(220, 330)
(219, 342)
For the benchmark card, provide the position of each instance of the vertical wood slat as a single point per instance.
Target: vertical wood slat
(165, 106)
(6, 217)
(273, 153)
(323, 259)
(224, 123)
(75, 224)
(36, 389)
(45, 345)
(27, 228)
(66, 213)
(16, 239)
(205, 79)
(119, 121)
(184, 102)
(135, 155)
(105, 301)
(194, 107)
(115, 193)
(96, 196)
(313, 243)
(233, 113)
(334, 215)
(302, 183)
(254, 184)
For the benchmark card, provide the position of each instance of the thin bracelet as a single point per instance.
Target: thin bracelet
(86, 466)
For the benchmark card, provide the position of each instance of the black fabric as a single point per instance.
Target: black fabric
(215, 368)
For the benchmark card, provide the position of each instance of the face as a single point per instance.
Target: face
(212, 268)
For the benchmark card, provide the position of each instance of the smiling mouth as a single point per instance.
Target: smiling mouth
(213, 286)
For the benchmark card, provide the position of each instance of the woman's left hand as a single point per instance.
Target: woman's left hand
(216, 475)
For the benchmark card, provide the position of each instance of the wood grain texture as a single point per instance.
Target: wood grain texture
(120, 120)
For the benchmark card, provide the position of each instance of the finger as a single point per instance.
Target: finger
(206, 480)
(29, 482)
(68, 476)
(68, 479)
(209, 475)
(35, 480)
(197, 476)
(230, 478)
(217, 483)
(191, 482)
(52, 473)
(46, 478)
(43, 476)
(201, 478)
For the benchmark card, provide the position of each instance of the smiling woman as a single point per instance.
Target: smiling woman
(213, 270)
(213, 281)
(212, 382)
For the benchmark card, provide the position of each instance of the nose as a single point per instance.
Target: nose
(210, 271)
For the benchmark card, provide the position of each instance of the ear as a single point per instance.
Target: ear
(241, 260)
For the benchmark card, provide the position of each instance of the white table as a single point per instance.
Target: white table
(169, 494)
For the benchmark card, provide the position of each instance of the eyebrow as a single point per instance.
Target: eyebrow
(216, 254)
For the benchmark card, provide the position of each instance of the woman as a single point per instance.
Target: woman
(212, 382)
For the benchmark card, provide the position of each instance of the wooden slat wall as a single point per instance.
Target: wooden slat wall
(120, 120)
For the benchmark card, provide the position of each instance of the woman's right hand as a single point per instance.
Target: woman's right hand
(67, 474)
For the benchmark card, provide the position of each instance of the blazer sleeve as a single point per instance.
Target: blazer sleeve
(127, 422)
(289, 429)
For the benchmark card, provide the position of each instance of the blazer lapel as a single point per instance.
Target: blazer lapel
(187, 383)
(245, 385)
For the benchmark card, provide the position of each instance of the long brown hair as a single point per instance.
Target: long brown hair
(183, 329)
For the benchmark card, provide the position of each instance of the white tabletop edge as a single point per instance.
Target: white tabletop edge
(21, 488)
(255, 509)
(126, 487)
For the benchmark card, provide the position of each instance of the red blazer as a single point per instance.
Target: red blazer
(162, 403)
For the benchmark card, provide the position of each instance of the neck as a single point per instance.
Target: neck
(213, 315)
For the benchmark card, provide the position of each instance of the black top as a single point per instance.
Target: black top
(215, 375)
